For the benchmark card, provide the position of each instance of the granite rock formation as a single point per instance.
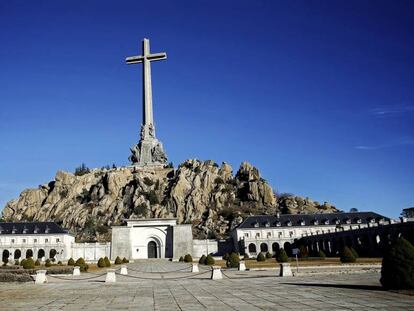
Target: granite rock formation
(202, 193)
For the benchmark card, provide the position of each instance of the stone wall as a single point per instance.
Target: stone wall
(204, 247)
(121, 244)
(91, 251)
(182, 240)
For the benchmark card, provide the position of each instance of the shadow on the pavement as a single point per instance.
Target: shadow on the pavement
(347, 286)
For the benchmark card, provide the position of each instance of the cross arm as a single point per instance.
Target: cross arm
(134, 59)
(157, 56)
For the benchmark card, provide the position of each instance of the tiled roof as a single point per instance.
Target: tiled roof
(264, 221)
(30, 228)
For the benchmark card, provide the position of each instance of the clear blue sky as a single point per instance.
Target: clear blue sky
(319, 95)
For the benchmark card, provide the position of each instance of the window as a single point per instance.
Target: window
(46, 240)
(24, 240)
(12, 240)
(291, 233)
(57, 240)
(246, 235)
(258, 235)
(34, 240)
(269, 234)
(280, 234)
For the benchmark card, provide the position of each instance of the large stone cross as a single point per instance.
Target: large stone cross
(146, 58)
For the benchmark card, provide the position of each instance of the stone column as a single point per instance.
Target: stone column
(194, 268)
(124, 270)
(285, 269)
(76, 270)
(110, 276)
(242, 266)
(216, 273)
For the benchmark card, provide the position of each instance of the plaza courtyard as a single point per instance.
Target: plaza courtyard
(163, 285)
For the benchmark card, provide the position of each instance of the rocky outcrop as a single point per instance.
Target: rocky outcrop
(202, 193)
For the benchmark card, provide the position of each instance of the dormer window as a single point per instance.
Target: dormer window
(36, 229)
(278, 223)
(267, 224)
(302, 222)
(347, 220)
(14, 230)
(336, 221)
(358, 220)
(25, 229)
(47, 230)
(315, 222)
(1, 229)
(326, 222)
(288, 223)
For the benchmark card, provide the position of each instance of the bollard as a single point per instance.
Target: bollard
(242, 266)
(285, 269)
(216, 273)
(194, 268)
(76, 271)
(41, 277)
(110, 276)
(124, 270)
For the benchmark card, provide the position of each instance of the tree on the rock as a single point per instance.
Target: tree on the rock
(82, 170)
(397, 270)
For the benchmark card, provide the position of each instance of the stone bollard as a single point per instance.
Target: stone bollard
(216, 273)
(194, 268)
(285, 269)
(124, 270)
(41, 277)
(242, 266)
(76, 271)
(110, 276)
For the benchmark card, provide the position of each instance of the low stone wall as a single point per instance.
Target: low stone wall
(91, 251)
(204, 247)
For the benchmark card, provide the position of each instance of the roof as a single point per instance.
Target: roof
(30, 228)
(266, 221)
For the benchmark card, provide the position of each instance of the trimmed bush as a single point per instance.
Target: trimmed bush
(261, 257)
(268, 255)
(226, 256)
(101, 263)
(118, 260)
(80, 261)
(188, 258)
(16, 262)
(210, 260)
(354, 252)
(181, 259)
(202, 260)
(233, 261)
(282, 256)
(29, 263)
(84, 268)
(48, 263)
(59, 263)
(125, 260)
(23, 262)
(347, 255)
(397, 270)
(37, 262)
(321, 254)
(107, 262)
(71, 262)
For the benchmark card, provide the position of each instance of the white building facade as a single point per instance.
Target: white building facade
(270, 233)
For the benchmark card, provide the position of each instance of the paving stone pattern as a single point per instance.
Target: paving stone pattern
(161, 287)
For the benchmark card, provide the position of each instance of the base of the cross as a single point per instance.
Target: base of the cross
(148, 152)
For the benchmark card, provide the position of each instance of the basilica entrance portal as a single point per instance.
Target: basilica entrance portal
(152, 250)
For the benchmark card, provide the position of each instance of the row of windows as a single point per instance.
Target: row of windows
(24, 241)
(289, 234)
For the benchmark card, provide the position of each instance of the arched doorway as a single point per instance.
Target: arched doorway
(263, 248)
(17, 254)
(252, 248)
(288, 248)
(52, 254)
(5, 257)
(29, 253)
(275, 247)
(40, 254)
(152, 250)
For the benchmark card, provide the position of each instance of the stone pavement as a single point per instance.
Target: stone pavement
(161, 287)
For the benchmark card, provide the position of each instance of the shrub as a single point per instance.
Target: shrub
(181, 259)
(202, 260)
(347, 255)
(282, 256)
(59, 263)
(84, 268)
(261, 257)
(233, 261)
(210, 260)
(48, 263)
(125, 260)
(28, 263)
(226, 256)
(80, 261)
(37, 262)
(23, 262)
(81, 170)
(101, 263)
(397, 270)
(12, 277)
(16, 262)
(354, 252)
(107, 262)
(118, 260)
(71, 262)
(188, 258)
(321, 254)
(268, 255)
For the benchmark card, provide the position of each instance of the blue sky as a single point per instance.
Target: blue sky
(317, 94)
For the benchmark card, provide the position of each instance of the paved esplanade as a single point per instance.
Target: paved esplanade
(250, 290)
(149, 150)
